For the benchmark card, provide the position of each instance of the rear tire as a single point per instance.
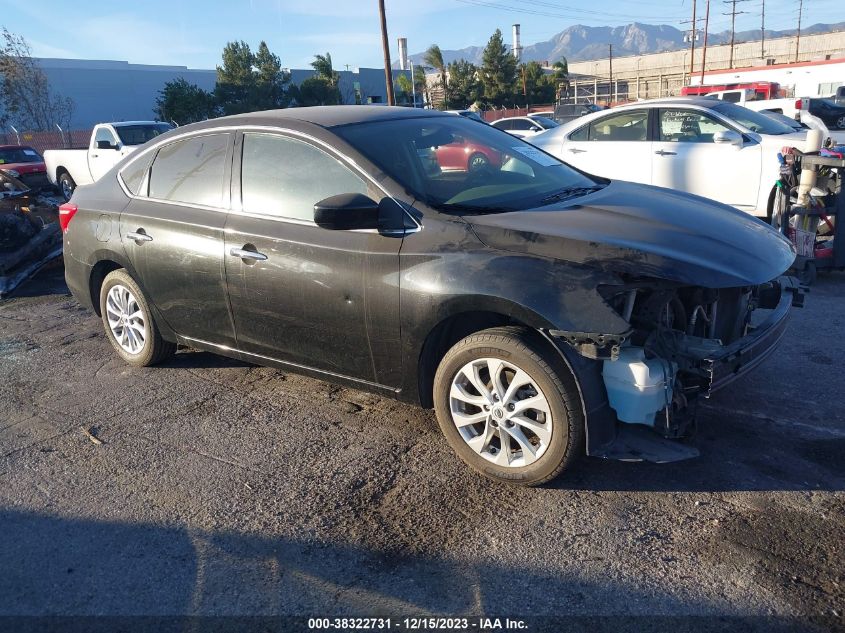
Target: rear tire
(477, 162)
(66, 186)
(128, 321)
(527, 426)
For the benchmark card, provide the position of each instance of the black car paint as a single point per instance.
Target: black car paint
(368, 309)
(828, 111)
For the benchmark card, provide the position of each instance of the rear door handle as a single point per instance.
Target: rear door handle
(244, 253)
(575, 150)
(139, 236)
(663, 152)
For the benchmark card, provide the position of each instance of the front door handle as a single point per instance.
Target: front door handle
(575, 150)
(663, 152)
(245, 253)
(139, 236)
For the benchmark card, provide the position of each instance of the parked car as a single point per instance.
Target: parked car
(826, 109)
(25, 164)
(699, 145)
(523, 126)
(109, 144)
(463, 154)
(568, 111)
(537, 309)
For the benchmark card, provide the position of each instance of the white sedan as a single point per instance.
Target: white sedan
(525, 126)
(711, 148)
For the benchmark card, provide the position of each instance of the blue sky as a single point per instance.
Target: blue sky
(193, 32)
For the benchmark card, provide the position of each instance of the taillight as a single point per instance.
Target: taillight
(66, 213)
(798, 104)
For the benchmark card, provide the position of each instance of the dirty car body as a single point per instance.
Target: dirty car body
(381, 296)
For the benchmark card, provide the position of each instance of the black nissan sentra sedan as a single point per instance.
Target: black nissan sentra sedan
(542, 312)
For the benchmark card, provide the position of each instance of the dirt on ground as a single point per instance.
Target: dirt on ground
(207, 486)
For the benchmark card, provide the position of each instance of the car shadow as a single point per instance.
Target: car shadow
(55, 567)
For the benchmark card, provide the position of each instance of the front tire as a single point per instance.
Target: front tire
(128, 321)
(477, 162)
(509, 407)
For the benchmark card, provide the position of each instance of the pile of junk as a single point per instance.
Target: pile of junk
(30, 237)
(808, 200)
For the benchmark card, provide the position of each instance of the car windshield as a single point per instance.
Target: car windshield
(544, 121)
(12, 155)
(140, 134)
(455, 165)
(754, 121)
(782, 118)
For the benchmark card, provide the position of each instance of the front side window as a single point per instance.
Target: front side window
(191, 171)
(628, 126)
(286, 177)
(104, 134)
(688, 126)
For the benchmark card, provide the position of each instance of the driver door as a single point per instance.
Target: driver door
(688, 158)
(101, 160)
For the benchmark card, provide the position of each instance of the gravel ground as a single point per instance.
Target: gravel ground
(219, 488)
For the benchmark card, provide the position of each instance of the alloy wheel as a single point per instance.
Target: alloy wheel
(126, 319)
(500, 412)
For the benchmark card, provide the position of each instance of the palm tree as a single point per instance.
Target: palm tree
(434, 58)
(323, 65)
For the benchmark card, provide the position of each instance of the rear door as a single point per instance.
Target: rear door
(172, 232)
(615, 146)
(686, 158)
(318, 298)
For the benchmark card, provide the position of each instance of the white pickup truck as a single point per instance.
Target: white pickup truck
(797, 109)
(110, 142)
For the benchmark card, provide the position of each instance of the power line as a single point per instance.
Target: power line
(566, 13)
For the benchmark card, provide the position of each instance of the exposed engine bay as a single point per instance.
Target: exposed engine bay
(684, 343)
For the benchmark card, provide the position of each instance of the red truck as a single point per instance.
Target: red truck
(25, 164)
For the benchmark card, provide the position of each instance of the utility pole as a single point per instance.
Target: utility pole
(798, 39)
(692, 35)
(763, 31)
(610, 85)
(704, 50)
(388, 73)
(733, 15)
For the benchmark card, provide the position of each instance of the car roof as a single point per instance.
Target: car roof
(126, 123)
(324, 116)
(511, 118)
(15, 147)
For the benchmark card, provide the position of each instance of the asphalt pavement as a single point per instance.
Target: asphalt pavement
(208, 486)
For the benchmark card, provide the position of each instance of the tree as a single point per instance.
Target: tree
(404, 94)
(26, 96)
(421, 84)
(434, 57)
(539, 87)
(464, 85)
(323, 65)
(247, 82)
(560, 77)
(270, 79)
(316, 91)
(184, 102)
(498, 71)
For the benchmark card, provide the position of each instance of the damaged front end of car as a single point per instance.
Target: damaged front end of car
(684, 343)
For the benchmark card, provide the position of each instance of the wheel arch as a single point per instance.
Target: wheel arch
(468, 316)
(95, 280)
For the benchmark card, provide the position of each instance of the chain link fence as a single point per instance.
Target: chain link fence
(42, 141)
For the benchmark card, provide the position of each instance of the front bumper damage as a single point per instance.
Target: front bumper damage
(704, 365)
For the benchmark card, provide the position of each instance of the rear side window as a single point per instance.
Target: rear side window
(134, 173)
(285, 177)
(628, 126)
(503, 125)
(191, 171)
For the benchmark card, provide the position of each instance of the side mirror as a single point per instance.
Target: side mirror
(728, 137)
(106, 145)
(347, 212)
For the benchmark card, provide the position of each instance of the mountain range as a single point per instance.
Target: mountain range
(581, 43)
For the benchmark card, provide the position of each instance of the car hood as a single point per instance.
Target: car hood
(646, 232)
